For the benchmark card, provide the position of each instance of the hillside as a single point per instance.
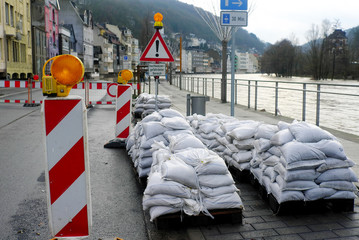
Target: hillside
(178, 17)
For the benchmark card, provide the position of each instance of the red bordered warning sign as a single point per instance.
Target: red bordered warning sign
(156, 50)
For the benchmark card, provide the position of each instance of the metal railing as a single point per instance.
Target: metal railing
(280, 92)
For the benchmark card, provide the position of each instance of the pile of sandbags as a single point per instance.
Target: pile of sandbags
(227, 136)
(156, 127)
(187, 177)
(310, 165)
(146, 104)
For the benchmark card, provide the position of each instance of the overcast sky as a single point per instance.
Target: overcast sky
(274, 20)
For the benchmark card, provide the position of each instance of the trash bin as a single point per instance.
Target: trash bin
(197, 104)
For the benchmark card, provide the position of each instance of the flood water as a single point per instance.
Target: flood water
(336, 111)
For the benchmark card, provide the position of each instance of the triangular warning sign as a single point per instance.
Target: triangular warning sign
(156, 50)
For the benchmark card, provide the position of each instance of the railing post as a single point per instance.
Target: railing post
(203, 86)
(249, 93)
(206, 87)
(197, 84)
(318, 105)
(256, 95)
(304, 101)
(276, 99)
(212, 87)
(235, 91)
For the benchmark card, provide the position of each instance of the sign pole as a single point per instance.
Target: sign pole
(232, 75)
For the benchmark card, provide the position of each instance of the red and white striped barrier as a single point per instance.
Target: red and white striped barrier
(18, 101)
(123, 110)
(92, 85)
(67, 173)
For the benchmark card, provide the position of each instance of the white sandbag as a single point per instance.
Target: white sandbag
(332, 163)
(282, 137)
(194, 156)
(266, 182)
(208, 127)
(152, 129)
(271, 161)
(145, 153)
(331, 148)
(309, 133)
(183, 141)
(143, 172)
(164, 105)
(262, 144)
(169, 133)
(146, 143)
(342, 195)
(149, 201)
(339, 185)
(211, 135)
(225, 201)
(157, 211)
(282, 125)
(176, 123)
(295, 185)
(179, 171)
(170, 113)
(243, 132)
(266, 131)
(215, 166)
(301, 165)
(286, 196)
(275, 151)
(145, 162)
(296, 175)
(154, 117)
(263, 155)
(297, 151)
(255, 162)
(212, 192)
(242, 156)
(269, 172)
(164, 99)
(245, 144)
(318, 193)
(232, 148)
(257, 173)
(130, 141)
(339, 174)
(215, 181)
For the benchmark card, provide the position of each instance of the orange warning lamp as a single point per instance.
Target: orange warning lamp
(158, 17)
(124, 76)
(66, 71)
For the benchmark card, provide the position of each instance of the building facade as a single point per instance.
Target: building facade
(15, 39)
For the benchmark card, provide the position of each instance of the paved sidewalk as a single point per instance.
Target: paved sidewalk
(259, 222)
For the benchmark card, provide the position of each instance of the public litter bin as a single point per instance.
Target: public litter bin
(196, 104)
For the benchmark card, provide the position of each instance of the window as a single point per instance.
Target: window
(15, 51)
(7, 14)
(53, 15)
(27, 11)
(23, 52)
(21, 18)
(11, 15)
(53, 37)
(29, 39)
(1, 49)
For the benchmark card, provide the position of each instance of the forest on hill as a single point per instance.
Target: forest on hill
(179, 17)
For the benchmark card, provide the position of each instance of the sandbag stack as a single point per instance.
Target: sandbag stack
(265, 155)
(146, 104)
(311, 165)
(186, 176)
(156, 127)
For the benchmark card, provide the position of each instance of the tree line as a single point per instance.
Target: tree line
(325, 56)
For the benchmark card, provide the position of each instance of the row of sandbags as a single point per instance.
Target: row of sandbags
(297, 161)
(302, 162)
(156, 127)
(145, 104)
(229, 137)
(187, 177)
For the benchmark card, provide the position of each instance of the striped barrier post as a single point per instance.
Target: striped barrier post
(123, 116)
(67, 166)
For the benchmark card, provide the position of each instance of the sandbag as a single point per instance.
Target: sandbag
(179, 171)
(215, 181)
(309, 133)
(266, 131)
(332, 163)
(149, 201)
(225, 201)
(339, 174)
(212, 192)
(297, 151)
(176, 123)
(153, 129)
(318, 193)
(330, 148)
(339, 185)
(282, 137)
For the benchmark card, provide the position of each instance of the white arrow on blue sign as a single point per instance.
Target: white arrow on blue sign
(234, 4)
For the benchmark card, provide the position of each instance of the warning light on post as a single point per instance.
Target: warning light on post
(124, 76)
(158, 17)
(66, 71)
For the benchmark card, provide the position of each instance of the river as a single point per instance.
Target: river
(336, 111)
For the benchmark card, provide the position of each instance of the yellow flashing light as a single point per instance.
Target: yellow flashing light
(124, 76)
(158, 17)
(66, 71)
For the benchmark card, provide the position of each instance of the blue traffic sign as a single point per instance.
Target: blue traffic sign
(234, 4)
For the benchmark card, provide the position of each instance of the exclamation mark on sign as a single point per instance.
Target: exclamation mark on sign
(157, 45)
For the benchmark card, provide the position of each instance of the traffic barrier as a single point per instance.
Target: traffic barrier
(96, 97)
(67, 166)
(123, 116)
